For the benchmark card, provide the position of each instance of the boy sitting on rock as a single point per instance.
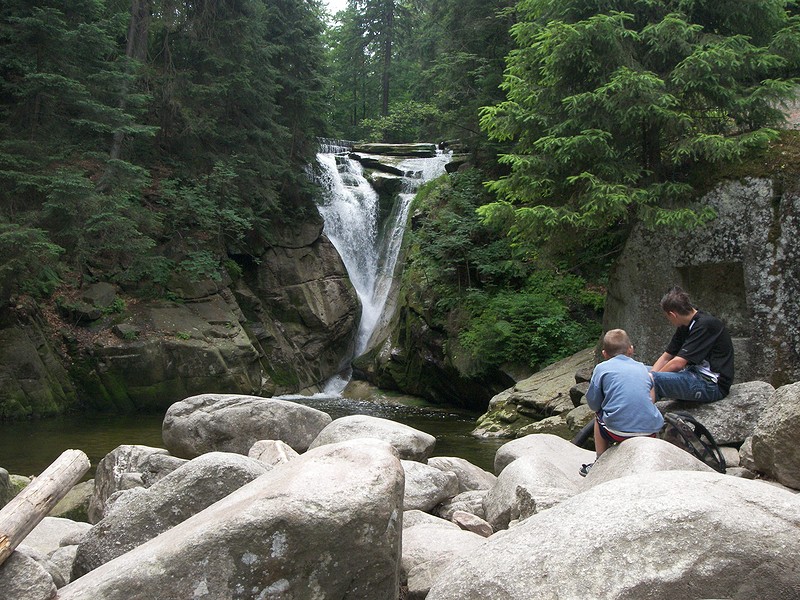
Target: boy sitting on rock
(622, 396)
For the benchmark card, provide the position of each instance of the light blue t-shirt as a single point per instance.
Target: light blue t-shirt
(620, 391)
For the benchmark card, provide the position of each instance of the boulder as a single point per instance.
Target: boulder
(528, 485)
(741, 267)
(543, 395)
(471, 502)
(272, 452)
(289, 534)
(774, 443)
(233, 423)
(470, 477)
(426, 486)
(6, 491)
(53, 532)
(686, 535)
(641, 455)
(565, 456)
(428, 549)
(62, 560)
(185, 492)
(473, 523)
(23, 578)
(120, 469)
(75, 505)
(731, 419)
(410, 443)
(45, 562)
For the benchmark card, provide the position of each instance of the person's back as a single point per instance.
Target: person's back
(621, 390)
(621, 394)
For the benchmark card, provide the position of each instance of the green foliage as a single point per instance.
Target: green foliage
(200, 265)
(407, 122)
(27, 260)
(542, 322)
(610, 105)
(497, 304)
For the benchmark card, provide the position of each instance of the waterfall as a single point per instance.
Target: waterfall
(369, 249)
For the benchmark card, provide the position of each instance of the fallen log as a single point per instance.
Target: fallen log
(31, 505)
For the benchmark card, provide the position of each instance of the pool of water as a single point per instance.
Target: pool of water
(28, 447)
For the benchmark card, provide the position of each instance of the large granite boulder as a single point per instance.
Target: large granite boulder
(544, 395)
(528, 485)
(740, 267)
(641, 455)
(410, 443)
(774, 444)
(54, 532)
(470, 477)
(471, 502)
(326, 525)
(23, 578)
(232, 423)
(430, 544)
(75, 504)
(6, 491)
(426, 486)
(124, 468)
(148, 512)
(687, 535)
(559, 452)
(732, 419)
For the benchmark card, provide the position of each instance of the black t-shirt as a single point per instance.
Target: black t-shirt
(705, 338)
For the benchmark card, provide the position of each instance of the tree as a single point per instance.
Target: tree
(610, 105)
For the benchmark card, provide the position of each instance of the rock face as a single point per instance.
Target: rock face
(774, 443)
(289, 534)
(683, 534)
(741, 267)
(231, 423)
(287, 324)
(33, 380)
(517, 411)
(22, 578)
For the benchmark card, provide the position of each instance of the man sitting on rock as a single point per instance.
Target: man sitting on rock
(621, 394)
(697, 365)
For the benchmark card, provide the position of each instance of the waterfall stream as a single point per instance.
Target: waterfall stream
(369, 248)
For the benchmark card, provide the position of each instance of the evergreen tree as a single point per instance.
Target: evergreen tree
(610, 104)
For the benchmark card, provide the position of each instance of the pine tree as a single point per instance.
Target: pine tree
(611, 104)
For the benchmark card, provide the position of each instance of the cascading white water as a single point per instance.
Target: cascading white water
(349, 208)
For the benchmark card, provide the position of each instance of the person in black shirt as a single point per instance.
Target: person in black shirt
(697, 365)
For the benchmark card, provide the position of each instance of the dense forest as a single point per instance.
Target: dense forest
(140, 139)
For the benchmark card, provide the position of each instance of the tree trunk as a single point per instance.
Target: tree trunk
(34, 503)
(387, 56)
(135, 50)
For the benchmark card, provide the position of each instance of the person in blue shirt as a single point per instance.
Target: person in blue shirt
(621, 394)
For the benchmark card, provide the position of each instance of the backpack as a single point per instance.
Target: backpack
(687, 433)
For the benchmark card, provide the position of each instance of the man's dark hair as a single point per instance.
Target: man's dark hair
(677, 301)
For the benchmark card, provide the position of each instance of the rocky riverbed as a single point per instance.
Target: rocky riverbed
(262, 498)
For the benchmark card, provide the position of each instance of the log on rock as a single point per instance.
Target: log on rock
(31, 505)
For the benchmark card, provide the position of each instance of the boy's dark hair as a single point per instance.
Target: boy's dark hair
(616, 341)
(677, 301)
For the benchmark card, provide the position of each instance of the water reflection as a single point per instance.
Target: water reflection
(28, 447)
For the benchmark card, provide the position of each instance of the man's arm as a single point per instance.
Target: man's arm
(667, 363)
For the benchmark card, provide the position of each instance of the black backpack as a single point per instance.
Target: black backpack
(687, 433)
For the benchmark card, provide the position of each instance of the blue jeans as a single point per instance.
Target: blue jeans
(686, 385)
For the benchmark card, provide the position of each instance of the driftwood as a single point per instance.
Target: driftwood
(31, 505)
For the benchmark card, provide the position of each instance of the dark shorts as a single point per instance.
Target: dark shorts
(615, 438)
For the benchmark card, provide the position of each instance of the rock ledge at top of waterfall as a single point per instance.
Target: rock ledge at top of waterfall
(414, 150)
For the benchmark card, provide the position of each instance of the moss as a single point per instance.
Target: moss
(779, 161)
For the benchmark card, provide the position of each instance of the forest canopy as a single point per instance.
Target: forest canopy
(611, 106)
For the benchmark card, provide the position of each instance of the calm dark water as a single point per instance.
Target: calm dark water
(27, 448)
